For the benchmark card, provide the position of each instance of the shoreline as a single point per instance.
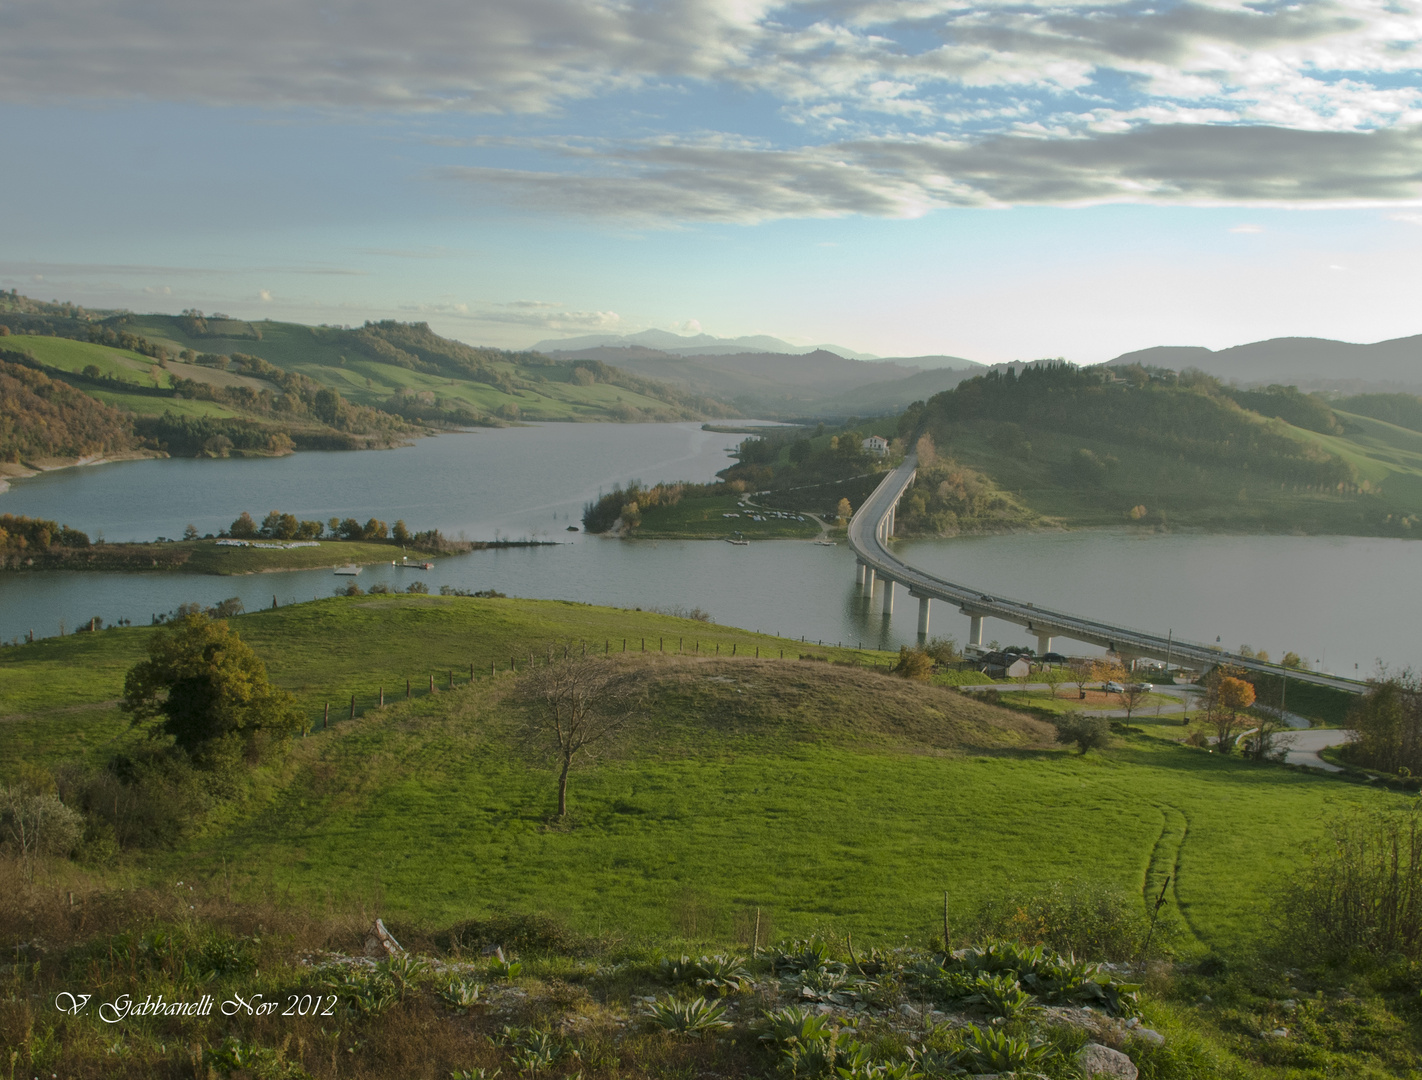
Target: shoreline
(178, 557)
(23, 470)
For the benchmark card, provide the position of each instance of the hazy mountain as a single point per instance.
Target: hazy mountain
(1309, 363)
(693, 344)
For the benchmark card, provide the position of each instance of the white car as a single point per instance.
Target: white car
(1113, 688)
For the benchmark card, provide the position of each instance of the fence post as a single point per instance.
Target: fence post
(757, 652)
(352, 706)
(431, 682)
(661, 644)
(513, 668)
(326, 717)
(407, 689)
(491, 669)
(382, 697)
(733, 648)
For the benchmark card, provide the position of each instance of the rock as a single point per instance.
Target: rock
(380, 943)
(1148, 1035)
(1096, 1060)
(1277, 1033)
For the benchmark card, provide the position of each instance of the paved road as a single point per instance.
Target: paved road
(1305, 745)
(868, 536)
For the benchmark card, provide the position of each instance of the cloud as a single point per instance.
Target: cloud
(903, 105)
(1247, 229)
(264, 295)
(909, 177)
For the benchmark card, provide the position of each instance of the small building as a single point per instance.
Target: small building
(876, 445)
(1019, 668)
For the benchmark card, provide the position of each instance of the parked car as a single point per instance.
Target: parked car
(1053, 658)
(1113, 688)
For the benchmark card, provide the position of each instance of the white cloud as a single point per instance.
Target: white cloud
(265, 295)
(1199, 164)
(1247, 229)
(906, 105)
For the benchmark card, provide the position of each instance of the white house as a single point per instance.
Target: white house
(876, 445)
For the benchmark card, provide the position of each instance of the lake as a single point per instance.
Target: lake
(1342, 602)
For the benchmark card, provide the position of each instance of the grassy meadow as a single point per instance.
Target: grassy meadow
(827, 795)
(705, 519)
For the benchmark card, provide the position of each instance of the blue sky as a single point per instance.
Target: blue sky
(990, 180)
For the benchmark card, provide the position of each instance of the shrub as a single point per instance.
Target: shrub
(1084, 732)
(1083, 918)
(1361, 890)
(914, 664)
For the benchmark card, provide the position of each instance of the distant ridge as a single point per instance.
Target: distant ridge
(693, 344)
(1309, 363)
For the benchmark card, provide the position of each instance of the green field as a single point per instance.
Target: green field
(825, 795)
(327, 356)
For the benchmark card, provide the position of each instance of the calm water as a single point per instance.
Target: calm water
(1338, 601)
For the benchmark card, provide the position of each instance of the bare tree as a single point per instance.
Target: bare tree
(1131, 697)
(577, 708)
(1053, 675)
(1081, 670)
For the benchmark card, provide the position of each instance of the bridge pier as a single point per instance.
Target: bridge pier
(859, 574)
(975, 630)
(922, 618)
(869, 581)
(888, 596)
(1044, 644)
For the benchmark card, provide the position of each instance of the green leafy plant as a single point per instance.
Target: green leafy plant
(505, 967)
(461, 993)
(810, 955)
(232, 1055)
(368, 991)
(722, 974)
(687, 1017)
(532, 1050)
(1002, 995)
(993, 1050)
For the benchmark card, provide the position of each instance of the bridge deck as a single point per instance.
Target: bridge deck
(867, 537)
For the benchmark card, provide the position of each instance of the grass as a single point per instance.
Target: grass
(1066, 700)
(1180, 495)
(74, 356)
(326, 356)
(824, 795)
(704, 519)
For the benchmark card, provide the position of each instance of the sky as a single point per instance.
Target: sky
(996, 181)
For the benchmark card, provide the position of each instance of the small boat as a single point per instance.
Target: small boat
(738, 543)
(408, 565)
(572, 528)
(825, 543)
(348, 571)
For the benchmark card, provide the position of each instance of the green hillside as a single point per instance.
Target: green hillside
(1088, 448)
(814, 791)
(407, 369)
(197, 385)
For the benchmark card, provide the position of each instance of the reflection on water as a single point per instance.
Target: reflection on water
(1339, 601)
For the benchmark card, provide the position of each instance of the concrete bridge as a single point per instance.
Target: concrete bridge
(873, 525)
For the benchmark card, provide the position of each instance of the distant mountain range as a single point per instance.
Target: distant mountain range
(694, 344)
(1308, 363)
(815, 383)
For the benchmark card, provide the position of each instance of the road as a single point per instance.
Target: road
(869, 537)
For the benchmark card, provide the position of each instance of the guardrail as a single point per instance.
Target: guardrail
(871, 549)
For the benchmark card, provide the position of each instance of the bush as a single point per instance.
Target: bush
(914, 664)
(1085, 732)
(1083, 918)
(1361, 891)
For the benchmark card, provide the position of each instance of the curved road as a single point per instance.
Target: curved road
(869, 533)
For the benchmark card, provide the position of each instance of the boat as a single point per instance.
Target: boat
(825, 543)
(408, 565)
(738, 543)
(350, 570)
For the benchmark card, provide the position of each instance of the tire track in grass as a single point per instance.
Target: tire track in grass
(1164, 863)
